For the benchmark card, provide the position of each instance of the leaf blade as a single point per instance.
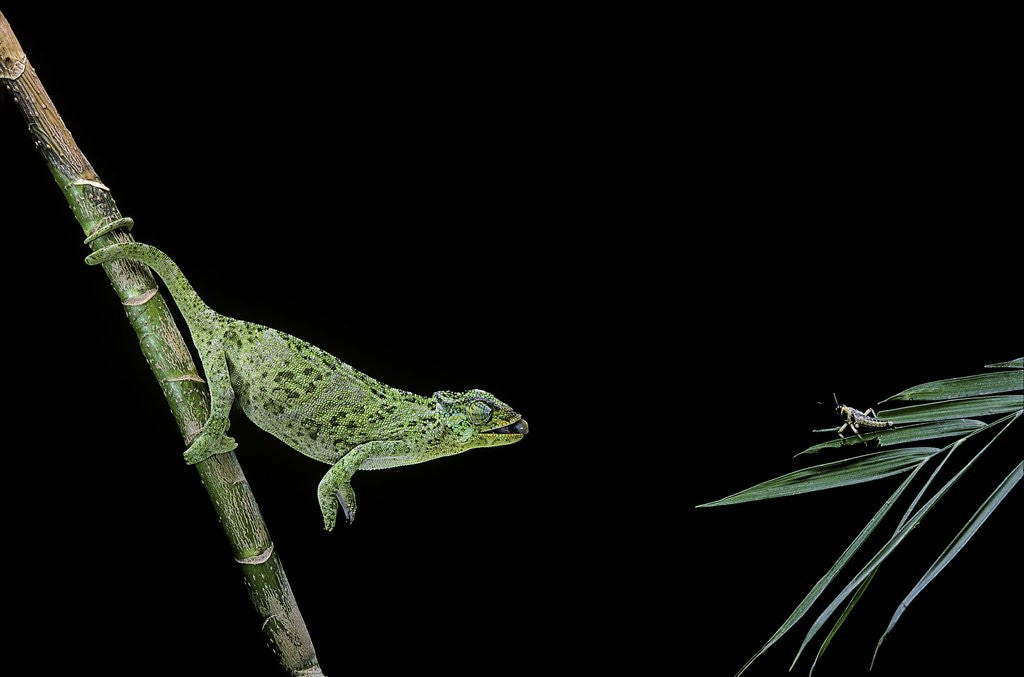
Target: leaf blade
(950, 448)
(842, 619)
(965, 534)
(902, 435)
(832, 475)
(962, 408)
(1009, 364)
(815, 592)
(965, 386)
(888, 548)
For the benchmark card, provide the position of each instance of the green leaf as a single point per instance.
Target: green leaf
(937, 411)
(898, 537)
(1012, 364)
(832, 475)
(864, 586)
(965, 386)
(811, 597)
(842, 619)
(911, 433)
(957, 544)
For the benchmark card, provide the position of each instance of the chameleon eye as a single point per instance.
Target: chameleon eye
(479, 412)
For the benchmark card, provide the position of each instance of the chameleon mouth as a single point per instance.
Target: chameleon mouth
(517, 427)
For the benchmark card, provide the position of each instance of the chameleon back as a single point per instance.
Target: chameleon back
(314, 402)
(306, 397)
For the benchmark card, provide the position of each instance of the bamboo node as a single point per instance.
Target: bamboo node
(309, 672)
(258, 559)
(11, 69)
(187, 377)
(86, 182)
(141, 298)
(270, 618)
(191, 436)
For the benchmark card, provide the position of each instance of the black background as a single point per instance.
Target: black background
(663, 255)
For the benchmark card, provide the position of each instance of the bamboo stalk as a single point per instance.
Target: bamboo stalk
(169, 359)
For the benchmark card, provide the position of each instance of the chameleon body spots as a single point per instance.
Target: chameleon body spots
(314, 402)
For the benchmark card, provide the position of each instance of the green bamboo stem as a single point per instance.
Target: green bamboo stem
(169, 359)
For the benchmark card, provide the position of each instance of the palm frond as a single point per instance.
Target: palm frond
(903, 435)
(990, 383)
(891, 545)
(945, 408)
(1009, 364)
(811, 597)
(832, 475)
(955, 546)
(867, 582)
(938, 411)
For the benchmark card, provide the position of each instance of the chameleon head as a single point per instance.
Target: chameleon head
(474, 418)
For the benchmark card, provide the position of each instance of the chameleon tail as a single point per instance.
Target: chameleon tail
(189, 303)
(110, 227)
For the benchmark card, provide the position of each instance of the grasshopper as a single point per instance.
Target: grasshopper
(854, 418)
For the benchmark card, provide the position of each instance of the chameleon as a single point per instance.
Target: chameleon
(314, 402)
(854, 417)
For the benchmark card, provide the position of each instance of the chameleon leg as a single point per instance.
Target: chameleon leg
(335, 488)
(213, 440)
(335, 491)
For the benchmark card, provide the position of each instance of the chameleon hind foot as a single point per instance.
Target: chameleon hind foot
(206, 446)
(124, 222)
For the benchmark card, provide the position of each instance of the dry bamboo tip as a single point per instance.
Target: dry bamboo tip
(12, 58)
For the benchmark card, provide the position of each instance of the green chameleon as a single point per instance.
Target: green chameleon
(314, 402)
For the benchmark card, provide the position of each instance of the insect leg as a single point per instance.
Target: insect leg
(841, 429)
(870, 412)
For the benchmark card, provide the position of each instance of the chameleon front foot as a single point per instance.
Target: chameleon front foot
(335, 492)
(206, 446)
(348, 506)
